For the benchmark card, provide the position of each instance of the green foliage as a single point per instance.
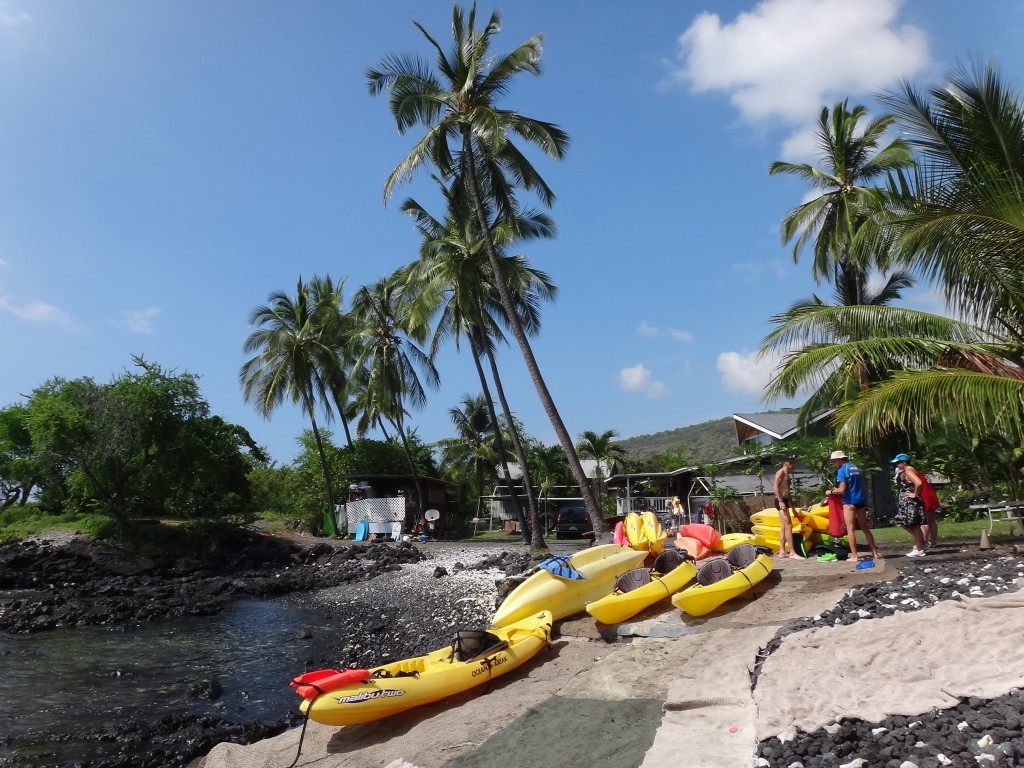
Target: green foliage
(19, 469)
(21, 521)
(142, 445)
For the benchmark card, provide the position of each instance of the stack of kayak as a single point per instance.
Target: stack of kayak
(641, 531)
(811, 529)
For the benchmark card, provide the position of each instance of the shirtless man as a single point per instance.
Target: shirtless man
(783, 503)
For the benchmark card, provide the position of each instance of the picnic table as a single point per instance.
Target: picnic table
(1011, 512)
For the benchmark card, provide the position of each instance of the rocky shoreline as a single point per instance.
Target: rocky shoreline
(388, 601)
(45, 584)
(392, 601)
(975, 732)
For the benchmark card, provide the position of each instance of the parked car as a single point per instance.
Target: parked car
(572, 523)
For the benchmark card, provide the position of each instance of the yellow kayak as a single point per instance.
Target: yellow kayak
(640, 588)
(353, 696)
(801, 519)
(730, 541)
(724, 578)
(600, 566)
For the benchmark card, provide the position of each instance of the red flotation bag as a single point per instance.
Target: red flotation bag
(312, 684)
(836, 518)
(705, 534)
(695, 547)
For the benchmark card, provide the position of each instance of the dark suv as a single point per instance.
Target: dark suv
(572, 523)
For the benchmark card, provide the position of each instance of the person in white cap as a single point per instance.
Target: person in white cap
(851, 489)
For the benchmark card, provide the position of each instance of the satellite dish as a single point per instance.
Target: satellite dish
(432, 514)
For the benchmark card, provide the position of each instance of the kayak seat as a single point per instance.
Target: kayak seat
(633, 579)
(669, 560)
(714, 570)
(742, 556)
(470, 644)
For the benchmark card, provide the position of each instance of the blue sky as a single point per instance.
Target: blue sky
(166, 166)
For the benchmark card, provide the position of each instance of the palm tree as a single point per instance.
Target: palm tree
(456, 282)
(811, 326)
(299, 345)
(602, 448)
(959, 223)
(469, 136)
(384, 337)
(836, 219)
(471, 455)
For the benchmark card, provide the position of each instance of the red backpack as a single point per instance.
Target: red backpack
(928, 496)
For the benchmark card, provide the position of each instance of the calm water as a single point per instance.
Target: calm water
(92, 676)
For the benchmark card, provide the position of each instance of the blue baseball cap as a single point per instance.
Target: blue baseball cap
(900, 457)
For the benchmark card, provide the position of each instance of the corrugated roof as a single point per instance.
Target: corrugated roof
(777, 424)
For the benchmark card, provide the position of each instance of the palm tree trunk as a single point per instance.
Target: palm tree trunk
(537, 538)
(324, 465)
(420, 499)
(344, 424)
(593, 508)
(498, 440)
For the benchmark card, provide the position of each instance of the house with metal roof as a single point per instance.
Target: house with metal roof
(765, 428)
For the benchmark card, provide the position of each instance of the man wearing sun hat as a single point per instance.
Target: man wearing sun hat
(851, 488)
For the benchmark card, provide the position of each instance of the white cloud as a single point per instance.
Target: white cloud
(744, 374)
(36, 312)
(653, 331)
(11, 16)
(137, 320)
(638, 379)
(785, 59)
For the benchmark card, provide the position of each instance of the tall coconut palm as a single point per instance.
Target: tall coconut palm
(469, 136)
(458, 284)
(603, 449)
(384, 346)
(471, 455)
(811, 326)
(960, 222)
(299, 344)
(832, 223)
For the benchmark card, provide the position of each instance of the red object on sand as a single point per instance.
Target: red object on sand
(312, 684)
(836, 520)
(695, 547)
(705, 534)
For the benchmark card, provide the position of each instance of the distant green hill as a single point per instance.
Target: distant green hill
(709, 441)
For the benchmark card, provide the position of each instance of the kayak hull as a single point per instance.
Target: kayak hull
(701, 599)
(617, 607)
(543, 591)
(426, 679)
(730, 540)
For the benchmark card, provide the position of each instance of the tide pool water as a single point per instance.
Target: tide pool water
(64, 681)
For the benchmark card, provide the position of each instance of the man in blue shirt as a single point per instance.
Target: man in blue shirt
(851, 488)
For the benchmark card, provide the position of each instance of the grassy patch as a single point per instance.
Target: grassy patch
(19, 522)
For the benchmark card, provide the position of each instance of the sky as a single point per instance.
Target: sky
(165, 167)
